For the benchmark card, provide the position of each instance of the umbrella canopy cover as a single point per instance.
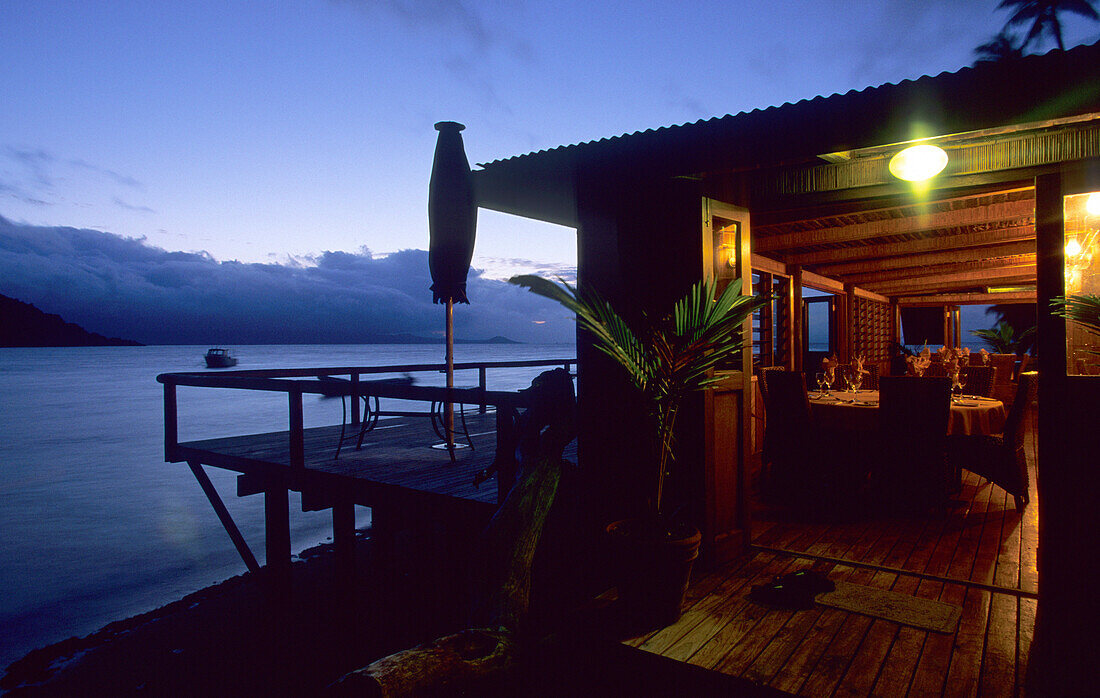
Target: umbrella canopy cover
(452, 216)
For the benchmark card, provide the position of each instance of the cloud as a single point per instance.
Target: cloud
(37, 173)
(116, 177)
(124, 287)
(130, 207)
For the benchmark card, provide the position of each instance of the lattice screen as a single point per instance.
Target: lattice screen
(870, 329)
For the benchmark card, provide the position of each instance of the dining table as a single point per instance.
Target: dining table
(858, 410)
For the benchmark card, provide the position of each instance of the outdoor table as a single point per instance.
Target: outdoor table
(858, 411)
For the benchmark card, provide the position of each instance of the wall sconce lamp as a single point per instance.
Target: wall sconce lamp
(918, 163)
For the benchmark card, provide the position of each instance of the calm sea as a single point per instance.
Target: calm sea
(95, 526)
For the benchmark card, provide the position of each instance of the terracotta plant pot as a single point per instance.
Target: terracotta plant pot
(652, 568)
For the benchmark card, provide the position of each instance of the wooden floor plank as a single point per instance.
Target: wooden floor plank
(792, 675)
(715, 633)
(786, 639)
(982, 539)
(1025, 631)
(762, 567)
(998, 671)
(839, 655)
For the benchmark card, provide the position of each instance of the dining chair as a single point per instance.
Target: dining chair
(812, 469)
(1000, 458)
(980, 379)
(766, 374)
(935, 369)
(912, 468)
(1004, 387)
(787, 424)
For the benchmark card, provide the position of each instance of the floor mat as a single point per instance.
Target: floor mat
(927, 614)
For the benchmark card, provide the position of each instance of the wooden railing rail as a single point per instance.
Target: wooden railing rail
(290, 381)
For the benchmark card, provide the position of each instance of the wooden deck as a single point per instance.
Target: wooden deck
(396, 464)
(980, 556)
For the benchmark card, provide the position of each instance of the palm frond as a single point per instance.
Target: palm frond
(1082, 308)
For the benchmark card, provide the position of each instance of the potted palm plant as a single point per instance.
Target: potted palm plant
(1082, 308)
(665, 359)
(1002, 338)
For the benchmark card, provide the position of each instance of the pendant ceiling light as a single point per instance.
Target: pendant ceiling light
(918, 163)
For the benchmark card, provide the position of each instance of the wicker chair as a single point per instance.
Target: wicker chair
(767, 453)
(980, 380)
(912, 469)
(1000, 458)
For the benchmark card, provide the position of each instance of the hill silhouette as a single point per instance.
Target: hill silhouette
(24, 325)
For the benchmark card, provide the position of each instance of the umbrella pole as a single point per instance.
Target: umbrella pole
(448, 407)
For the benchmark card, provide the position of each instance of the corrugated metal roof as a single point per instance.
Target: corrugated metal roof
(999, 94)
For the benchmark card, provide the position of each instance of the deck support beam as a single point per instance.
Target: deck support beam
(277, 533)
(223, 515)
(343, 539)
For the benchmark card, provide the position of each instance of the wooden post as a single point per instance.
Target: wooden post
(297, 438)
(354, 398)
(171, 426)
(947, 326)
(343, 540)
(797, 319)
(277, 535)
(481, 383)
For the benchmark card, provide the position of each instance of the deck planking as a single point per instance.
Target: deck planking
(979, 555)
(395, 466)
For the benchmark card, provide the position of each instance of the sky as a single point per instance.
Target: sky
(283, 133)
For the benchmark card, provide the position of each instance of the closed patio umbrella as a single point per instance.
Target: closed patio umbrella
(452, 224)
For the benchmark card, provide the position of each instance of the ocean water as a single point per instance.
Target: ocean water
(95, 526)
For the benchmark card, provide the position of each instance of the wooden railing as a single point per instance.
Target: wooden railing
(296, 382)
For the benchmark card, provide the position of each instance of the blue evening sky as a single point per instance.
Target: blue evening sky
(274, 131)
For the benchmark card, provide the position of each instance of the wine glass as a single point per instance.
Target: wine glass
(854, 379)
(822, 381)
(959, 382)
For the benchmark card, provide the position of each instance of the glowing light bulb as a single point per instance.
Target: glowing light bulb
(1092, 204)
(918, 163)
(1073, 248)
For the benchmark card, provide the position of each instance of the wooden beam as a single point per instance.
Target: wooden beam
(775, 218)
(940, 269)
(768, 265)
(821, 283)
(969, 298)
(1013, 212)
(978, 236)
(869, 295)
(970, 254)
(946, 282)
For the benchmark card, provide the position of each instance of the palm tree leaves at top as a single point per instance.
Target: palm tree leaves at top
(1044, 17)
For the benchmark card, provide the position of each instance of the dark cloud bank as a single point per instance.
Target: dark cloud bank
(122, 287)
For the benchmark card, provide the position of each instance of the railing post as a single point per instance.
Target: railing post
(297, 438)
(354, 399)
(171, 426)
(481, 384)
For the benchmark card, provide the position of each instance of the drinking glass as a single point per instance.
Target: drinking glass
(854, 379)
(822, 381)
(960, 381)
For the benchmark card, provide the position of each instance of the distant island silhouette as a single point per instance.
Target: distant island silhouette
(24, 325)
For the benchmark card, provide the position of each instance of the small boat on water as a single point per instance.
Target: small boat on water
(219, 358)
